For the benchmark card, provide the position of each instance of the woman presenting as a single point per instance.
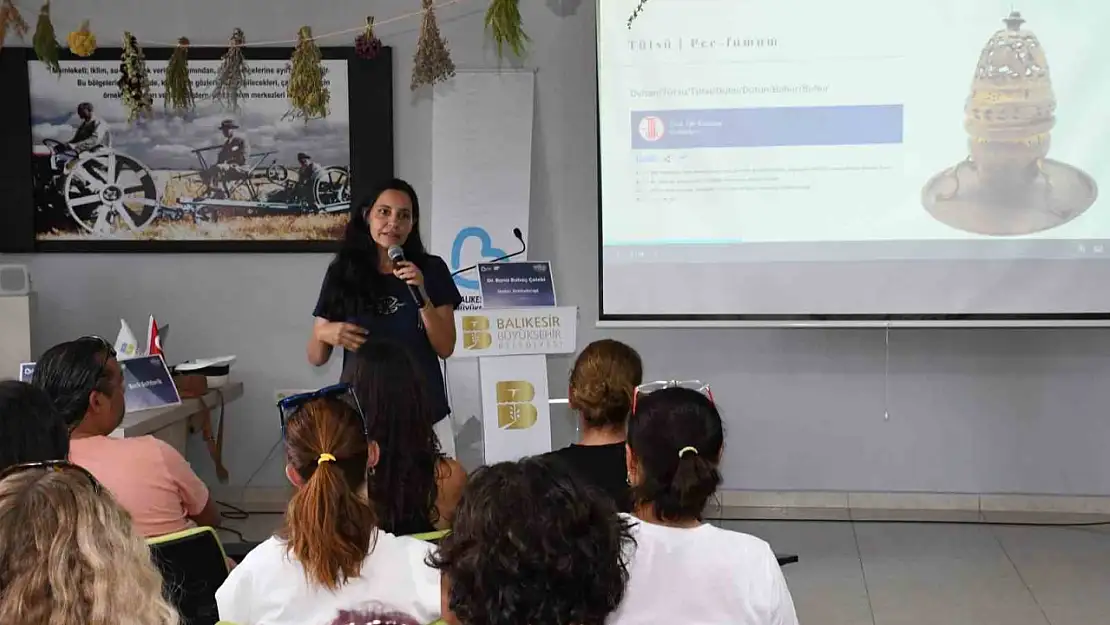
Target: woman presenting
(365, 293)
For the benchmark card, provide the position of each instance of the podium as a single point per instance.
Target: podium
(512, 345)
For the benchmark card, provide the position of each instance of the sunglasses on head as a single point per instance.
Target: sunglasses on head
(50, 465)
(288, 406)
(650, 387)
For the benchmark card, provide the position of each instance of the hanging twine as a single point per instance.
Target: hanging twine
(232, 72)
(636, 13)
(432, 62)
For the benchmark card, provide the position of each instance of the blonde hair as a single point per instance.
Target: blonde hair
(603, 380)
(68, 555)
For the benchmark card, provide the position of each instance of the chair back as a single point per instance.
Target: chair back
(431, 537)
(193, 566)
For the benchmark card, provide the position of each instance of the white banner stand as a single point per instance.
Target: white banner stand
(511, 346)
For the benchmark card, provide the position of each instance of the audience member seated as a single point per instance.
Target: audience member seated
(329, 556)
(30, 428)
(68, 553)
(604, 377)
(532, 543)
(685, 570)
(414, 486)
(148, 477)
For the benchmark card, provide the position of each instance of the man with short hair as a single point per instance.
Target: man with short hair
(30, 428)
(92, 133)
(147, 476)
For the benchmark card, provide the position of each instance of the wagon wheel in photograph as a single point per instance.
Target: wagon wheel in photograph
(332, 186)
(277, 174)
(107, 191)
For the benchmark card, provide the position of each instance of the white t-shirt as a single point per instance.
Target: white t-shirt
(702, 576)
(269, 586)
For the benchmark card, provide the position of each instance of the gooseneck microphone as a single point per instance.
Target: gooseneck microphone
(396, 254)
(523, 248)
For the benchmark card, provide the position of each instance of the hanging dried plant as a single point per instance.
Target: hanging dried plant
(11, 20)
(367, 45)
(504, 24)
(45, 41)
(81, 41)
(432, 62)
(232, 74)
(134, 81)
(308, 95)
(179, 86)
(636, 13)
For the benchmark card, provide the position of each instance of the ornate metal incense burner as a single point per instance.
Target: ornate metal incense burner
(1007, 185)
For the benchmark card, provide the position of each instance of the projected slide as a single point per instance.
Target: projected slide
(859, 151)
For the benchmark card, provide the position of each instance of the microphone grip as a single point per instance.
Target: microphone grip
(417, 296)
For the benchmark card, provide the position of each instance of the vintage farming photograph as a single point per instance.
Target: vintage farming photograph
(213, 174)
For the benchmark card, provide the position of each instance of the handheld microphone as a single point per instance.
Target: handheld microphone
(523, 248)
(396, 254)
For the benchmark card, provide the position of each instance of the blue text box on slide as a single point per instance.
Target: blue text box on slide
(516, 285)
(767, 127)
(147, 383)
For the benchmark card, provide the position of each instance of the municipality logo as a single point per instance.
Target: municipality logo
(652, 128)
(476, 334)
(515, 410)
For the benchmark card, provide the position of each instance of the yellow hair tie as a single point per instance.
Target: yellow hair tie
(325, 458)
(682, 452)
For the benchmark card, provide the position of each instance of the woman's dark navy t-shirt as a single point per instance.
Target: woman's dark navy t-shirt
(394, 316)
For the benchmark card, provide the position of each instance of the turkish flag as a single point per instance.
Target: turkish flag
(153, 342)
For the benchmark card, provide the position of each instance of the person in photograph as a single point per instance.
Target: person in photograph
(232, 157)
(92, 133)
(366, 293)
(307, 174)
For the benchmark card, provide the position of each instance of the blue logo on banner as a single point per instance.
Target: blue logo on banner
(488, 252)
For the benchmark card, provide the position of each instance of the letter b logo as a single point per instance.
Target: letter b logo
(515, 410)
(476, 333)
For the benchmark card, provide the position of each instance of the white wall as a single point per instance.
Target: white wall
(969, 410)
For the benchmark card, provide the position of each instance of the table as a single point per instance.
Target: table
(171, 424)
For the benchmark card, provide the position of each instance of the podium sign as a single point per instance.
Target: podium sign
(515, 331)
(511, 345)
(516, 418)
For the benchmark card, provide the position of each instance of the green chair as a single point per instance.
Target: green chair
(193, 566)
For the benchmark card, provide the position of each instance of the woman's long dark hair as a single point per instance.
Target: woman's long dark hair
(354, 270)
(396, 401)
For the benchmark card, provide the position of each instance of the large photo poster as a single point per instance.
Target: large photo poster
(213, 174)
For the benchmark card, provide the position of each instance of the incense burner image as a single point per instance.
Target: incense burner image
(1007, 185)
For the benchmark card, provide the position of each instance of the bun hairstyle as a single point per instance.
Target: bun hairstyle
(330, 526)
(603, 380)
(676, 437)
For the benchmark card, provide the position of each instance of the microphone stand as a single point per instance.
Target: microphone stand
(523, 248)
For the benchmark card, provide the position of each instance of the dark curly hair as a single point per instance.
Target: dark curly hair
(31, 430)
(532, 544)
(666, 422)
(70, 371)
(396, 401)
(354, 270)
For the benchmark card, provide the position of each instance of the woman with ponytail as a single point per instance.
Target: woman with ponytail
(686, 570)
(329, 556)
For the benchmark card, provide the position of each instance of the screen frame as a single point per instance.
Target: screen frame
(796, 320)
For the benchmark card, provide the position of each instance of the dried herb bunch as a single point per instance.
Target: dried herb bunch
(432, 62)
(134, 81)
(45, 41)
(81, 41)
(367, 45)
(11, 20)
(179, 86)
(504, 24)
(308, 94)
(233, 72)
(636, 13)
